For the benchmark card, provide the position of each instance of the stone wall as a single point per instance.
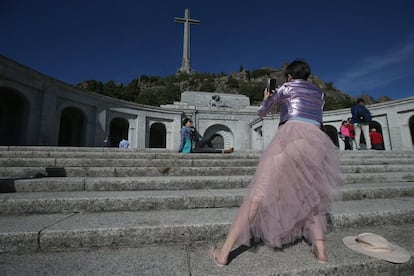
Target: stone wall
(55, 113)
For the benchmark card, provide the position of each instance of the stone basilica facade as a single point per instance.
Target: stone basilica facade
(36, 109)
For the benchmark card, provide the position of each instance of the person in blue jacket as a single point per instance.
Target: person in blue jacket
(361, 117)
(185, 133)
(192, 141)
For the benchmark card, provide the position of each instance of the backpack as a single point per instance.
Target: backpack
(194, 136)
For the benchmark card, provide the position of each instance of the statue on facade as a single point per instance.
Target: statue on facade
(217, 101)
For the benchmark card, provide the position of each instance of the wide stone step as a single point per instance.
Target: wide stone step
(82, 152)
(61, 184)
(79, 149)
(116, 162)
(125, 171)
(120, 154)
(163, 154)
(114, 149)
(89, 230)
(173, 162)
(378, 177)
(366, 154)
(120, 171)
(90, 201)
(376, 161)
(192, 259)
(377, 168)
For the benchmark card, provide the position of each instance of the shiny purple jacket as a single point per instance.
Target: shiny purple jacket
(296, 99)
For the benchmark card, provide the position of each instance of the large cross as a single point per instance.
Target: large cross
(185, 65)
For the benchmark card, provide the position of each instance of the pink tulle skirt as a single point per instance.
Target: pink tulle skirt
(297, 179)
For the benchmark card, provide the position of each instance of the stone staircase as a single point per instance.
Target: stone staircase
(104, 211)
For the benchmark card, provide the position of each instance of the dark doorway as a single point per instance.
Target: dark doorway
(118, 130)
(72, 128)
(13, 118)
(158, 135)
(332, 132)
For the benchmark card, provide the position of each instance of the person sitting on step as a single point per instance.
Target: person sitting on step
(192, 141)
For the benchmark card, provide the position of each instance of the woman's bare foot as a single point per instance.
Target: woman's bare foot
(215, 253)
(319, 250)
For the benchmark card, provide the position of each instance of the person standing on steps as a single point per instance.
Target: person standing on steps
(351, 133)
(297, 177)
(361, 117)
(345, 135)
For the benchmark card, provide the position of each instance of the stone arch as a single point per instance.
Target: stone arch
(411, 126)
(158, 136)
(222, 136)
(118, 130)
(332, 132)
(14, 112)
(72, 127)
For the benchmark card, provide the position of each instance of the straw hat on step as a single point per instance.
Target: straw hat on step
(376, 246)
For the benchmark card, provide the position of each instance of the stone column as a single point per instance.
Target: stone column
(49, 123)
(141, 130)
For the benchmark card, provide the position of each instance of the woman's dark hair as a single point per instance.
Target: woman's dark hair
(298, 69)
(185, 121)
(360, 100)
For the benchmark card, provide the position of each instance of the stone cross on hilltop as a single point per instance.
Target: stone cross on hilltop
(185, 66)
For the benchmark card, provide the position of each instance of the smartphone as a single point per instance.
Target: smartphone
(271, 85)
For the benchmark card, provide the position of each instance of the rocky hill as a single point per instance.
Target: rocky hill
(156, 91)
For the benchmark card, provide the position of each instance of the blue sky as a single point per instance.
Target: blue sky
(360, 46)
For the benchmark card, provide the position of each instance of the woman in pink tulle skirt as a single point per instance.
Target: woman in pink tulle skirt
(298, 175)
